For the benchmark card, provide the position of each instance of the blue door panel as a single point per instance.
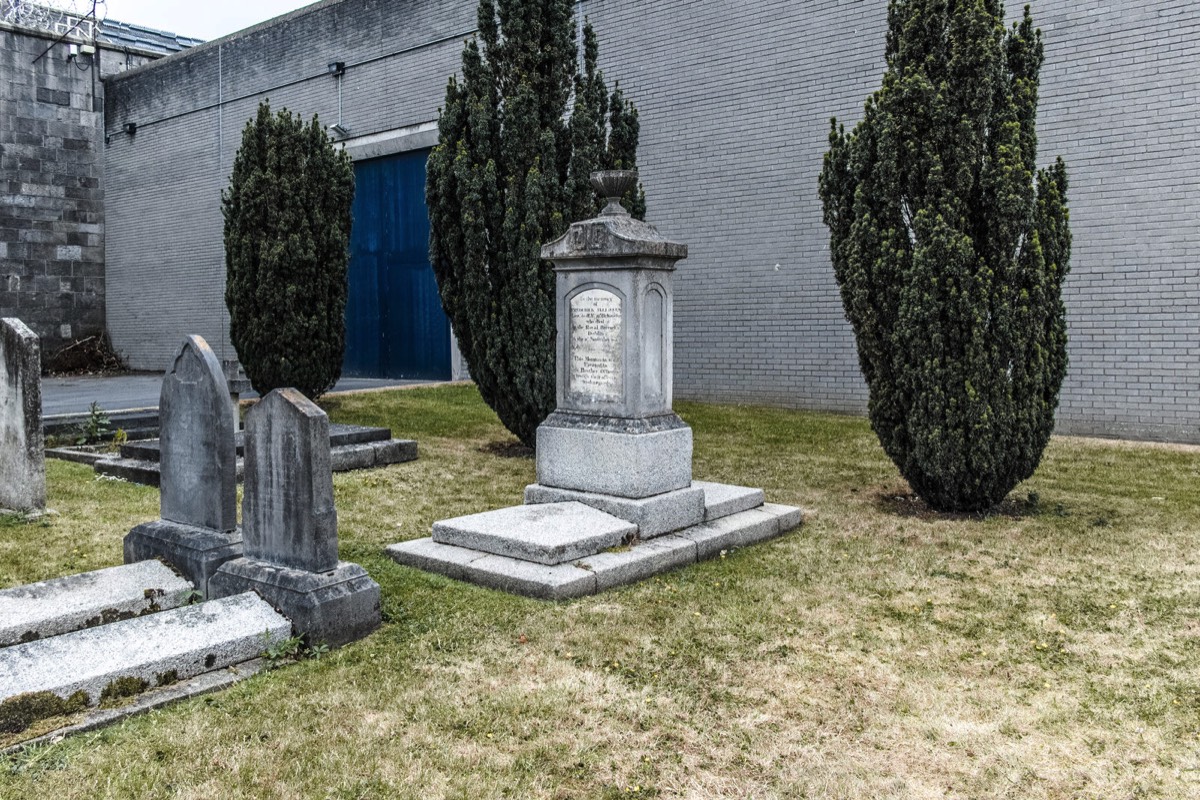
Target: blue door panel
(395, 326)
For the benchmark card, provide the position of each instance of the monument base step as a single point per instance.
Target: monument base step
(546, 533)
(343, 458)
(723, 499)
(601, 570)
(333, 608)
(61, 605)
(653, 516)
(127, 657)
(193, 551)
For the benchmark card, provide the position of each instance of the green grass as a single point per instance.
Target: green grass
(1051, 650)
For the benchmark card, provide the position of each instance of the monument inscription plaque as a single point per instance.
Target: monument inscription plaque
(596, 346)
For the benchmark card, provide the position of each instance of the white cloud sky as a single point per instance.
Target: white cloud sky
(201, 19)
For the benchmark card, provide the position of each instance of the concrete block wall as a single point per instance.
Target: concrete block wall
(735, 101)
(735, 109)
(165, 255)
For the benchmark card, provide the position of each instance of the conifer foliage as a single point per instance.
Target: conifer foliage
(509, 173)
(287, 235)
(949, 255)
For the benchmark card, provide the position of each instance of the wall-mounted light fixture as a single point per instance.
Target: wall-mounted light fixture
(337, 68)
(130, 128)
(339, 130)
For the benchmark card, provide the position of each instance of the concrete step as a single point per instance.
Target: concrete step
(136, 423)
(598, 571)
(154, 650)
(61, 605)
(339, 435)
(545, 533)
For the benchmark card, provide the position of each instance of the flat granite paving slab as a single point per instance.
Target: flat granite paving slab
(723, 499)
(62, 605)
(158, 648)
(546, 533)
(654, 516)
(597, 572)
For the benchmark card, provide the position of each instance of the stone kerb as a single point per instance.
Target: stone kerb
(289, 524)
(22, 456)
(198, 458)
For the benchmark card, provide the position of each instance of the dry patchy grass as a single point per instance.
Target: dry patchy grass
(1049, 651)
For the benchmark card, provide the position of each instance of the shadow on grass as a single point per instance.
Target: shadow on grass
(506, 448)
(907, 504)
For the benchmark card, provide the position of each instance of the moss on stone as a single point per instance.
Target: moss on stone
(123, 687)
(19, 712)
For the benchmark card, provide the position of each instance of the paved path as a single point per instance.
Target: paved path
(75, 395)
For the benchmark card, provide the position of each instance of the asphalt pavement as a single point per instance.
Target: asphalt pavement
(75, 394)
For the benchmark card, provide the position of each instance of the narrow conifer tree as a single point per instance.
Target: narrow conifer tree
(287, 235)
(949, 255)
(509, 173)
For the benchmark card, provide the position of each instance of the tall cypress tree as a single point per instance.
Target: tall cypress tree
(949, 255)
(287, 235)
(509, 173)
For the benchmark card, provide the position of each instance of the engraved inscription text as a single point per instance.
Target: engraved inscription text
(596, 346)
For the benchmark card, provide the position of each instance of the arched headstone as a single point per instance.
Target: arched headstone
(198, 461)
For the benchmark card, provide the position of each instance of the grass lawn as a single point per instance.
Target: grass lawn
(1049, 651)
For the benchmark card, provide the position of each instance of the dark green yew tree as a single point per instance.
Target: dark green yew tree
(287, 234)
(949, 255)
(510, 172)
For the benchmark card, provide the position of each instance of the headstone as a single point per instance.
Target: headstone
(198, 482)
(22, 451)
(289, 524)
(198, 458)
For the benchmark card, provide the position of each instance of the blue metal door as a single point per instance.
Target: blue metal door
(395, 326)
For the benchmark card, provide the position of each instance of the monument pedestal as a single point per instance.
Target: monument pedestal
(614, 501)
(632, 458)
(194, 551)
(334, 608)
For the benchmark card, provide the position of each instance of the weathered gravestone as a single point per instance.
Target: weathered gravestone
(289, 526)
(198, 489)
(614, 461)
(22, 456)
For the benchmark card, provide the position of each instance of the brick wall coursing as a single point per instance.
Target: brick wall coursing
(735, 111)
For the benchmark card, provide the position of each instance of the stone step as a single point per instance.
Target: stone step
(603, 570)
(724, 499)
(343, 458)
(61, 605)
(340, 435)
(155, 650)
(134, 422)
(546, 533)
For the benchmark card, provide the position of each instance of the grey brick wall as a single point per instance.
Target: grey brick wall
(735, 101)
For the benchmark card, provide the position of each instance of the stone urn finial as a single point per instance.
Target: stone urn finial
(612, 184)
